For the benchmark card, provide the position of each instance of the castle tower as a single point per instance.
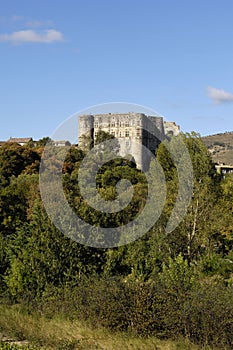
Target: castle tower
(85, 131)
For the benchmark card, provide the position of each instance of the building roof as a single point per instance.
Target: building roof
(20, 139)
(60, 142)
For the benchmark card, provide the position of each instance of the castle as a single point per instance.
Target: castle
(133, 130)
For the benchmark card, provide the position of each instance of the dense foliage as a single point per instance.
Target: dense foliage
(173, 285)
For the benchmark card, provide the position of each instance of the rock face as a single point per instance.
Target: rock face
(133, 130)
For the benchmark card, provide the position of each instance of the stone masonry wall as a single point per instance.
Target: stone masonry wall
(129, 128)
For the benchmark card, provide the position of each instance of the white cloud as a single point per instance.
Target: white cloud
(31, 36)
(219, 96)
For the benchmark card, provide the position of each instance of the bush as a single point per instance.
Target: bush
(201, 311)
(210, 315)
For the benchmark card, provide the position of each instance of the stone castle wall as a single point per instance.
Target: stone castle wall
(129, 128)
(171, 128)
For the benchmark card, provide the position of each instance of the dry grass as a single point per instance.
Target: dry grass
(57, 333)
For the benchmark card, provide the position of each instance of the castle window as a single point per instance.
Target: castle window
(126, 123)
(126, 133)
(120, 124)
(138, 134)
(138, 123)
(120, 134)
(113, 124)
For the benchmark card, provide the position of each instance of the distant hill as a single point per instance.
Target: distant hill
(221, 147)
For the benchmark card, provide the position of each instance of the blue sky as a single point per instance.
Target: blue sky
(58, 58)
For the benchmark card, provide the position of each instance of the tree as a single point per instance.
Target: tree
(40, 255)
(42, 142)
(192, 236)
(103, 136)
(14, 159)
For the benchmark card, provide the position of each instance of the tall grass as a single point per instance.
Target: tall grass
(62, 334)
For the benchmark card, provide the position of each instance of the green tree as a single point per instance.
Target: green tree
(103, 136)
(192, 236)
(40, 255)
(14, 159)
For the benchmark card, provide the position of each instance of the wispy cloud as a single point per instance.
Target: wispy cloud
(32, 36)
(16, 18)
(37, 24)
(219, 96)
(32, 23)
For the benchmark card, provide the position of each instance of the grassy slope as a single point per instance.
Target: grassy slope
(221, 153)
(57, 333)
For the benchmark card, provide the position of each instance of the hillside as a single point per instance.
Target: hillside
(221, 147)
